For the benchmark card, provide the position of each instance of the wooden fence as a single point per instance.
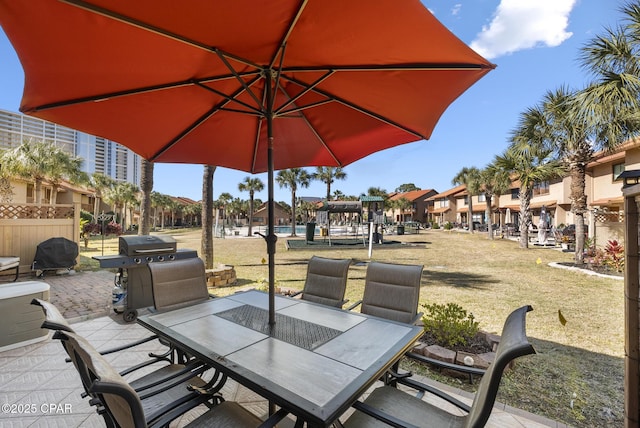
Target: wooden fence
(24, 226)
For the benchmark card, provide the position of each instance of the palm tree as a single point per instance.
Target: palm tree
(101, 183)
(607, 109)
(528, 161)
(494, 181)
(206, 246)
(251, 185)
(403, 204)
(157, 199)
(59, 166)
(470, 177)
(146, 186)
(328, 174)
(224, 199)
(291, 178)
(29, 160)
(338, 195)
(120, 196)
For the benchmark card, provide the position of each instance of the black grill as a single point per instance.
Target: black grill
(136, 253)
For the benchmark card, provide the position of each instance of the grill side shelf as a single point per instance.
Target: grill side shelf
(121, 261)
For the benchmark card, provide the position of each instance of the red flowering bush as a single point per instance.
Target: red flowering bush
(112, 228)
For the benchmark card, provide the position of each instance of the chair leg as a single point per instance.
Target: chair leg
(17, 273)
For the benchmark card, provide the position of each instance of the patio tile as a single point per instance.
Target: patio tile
(38, 374)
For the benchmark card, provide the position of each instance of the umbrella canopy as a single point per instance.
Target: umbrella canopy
(252, 85)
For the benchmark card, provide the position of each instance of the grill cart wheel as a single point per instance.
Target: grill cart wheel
(130, 315)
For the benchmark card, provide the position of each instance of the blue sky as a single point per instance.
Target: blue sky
(535, 44)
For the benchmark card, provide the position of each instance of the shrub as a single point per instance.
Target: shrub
(86, 215)
(435, 225)
(89, 229)
(614, 255)
(448, 226)
(113, 228)
(449, 324)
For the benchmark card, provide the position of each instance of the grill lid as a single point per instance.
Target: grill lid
(146, 244)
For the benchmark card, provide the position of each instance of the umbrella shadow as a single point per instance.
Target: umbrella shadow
(457, 279)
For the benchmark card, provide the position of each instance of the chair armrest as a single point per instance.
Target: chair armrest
(417, 318)
(355, 305)
(381, 416)
(128, 345)
(456, 367)
(422, 388)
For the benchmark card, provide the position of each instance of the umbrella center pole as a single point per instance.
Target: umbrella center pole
(271, 236)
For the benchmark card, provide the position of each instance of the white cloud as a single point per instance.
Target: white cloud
(524, 24)
(456, 9)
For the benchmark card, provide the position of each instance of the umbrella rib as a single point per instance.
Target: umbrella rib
(104, 97)
(395, 67)
(306, 90)
(239, 79)
(285, 37)
(117, 94)
(232, 99)
(285, 113)
(361, 109)
(160, 31)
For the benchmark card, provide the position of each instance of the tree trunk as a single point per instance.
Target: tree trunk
(146, 185)
(525, 216)
(488, 215)
(577, 171)
(470, 215)
(250, 212)
(293, 213)
(207, 216)
(38, 192)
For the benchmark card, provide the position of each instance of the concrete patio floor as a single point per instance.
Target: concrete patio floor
(36, 378)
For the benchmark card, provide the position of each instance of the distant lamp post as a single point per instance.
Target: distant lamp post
(102, 217)
(630, 178)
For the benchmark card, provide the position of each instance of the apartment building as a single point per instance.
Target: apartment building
(419, 206)
(603, 187)
(99, 154)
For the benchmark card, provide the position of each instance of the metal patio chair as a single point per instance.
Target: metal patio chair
(10, 262)
(391, 291)
(388, 406)
(326, 281)
(125, 406)
(178, 284)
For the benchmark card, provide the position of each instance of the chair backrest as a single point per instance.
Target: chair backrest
(179, 283)
(392, 291)
(119, 398)
(53, 319)
(326, 281)
(513, 344)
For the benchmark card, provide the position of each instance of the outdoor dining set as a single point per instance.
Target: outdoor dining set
(315, 364)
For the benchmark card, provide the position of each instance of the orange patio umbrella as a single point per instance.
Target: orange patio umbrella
(251, 85)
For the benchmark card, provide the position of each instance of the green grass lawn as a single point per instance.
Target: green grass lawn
(577, 377)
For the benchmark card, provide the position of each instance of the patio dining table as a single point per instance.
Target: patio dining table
(314, 362)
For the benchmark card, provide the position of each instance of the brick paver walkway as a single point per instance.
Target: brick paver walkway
(80, 295)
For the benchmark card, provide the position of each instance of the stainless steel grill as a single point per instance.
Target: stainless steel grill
(133, 278)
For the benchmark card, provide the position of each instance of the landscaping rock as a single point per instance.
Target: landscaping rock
(220, 276)
(439, 353)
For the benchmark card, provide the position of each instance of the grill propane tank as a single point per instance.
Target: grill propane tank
(119, 293)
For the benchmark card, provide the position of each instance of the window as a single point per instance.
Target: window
(515, 194)
(541, 188)
(482, 197)
(617, 170)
